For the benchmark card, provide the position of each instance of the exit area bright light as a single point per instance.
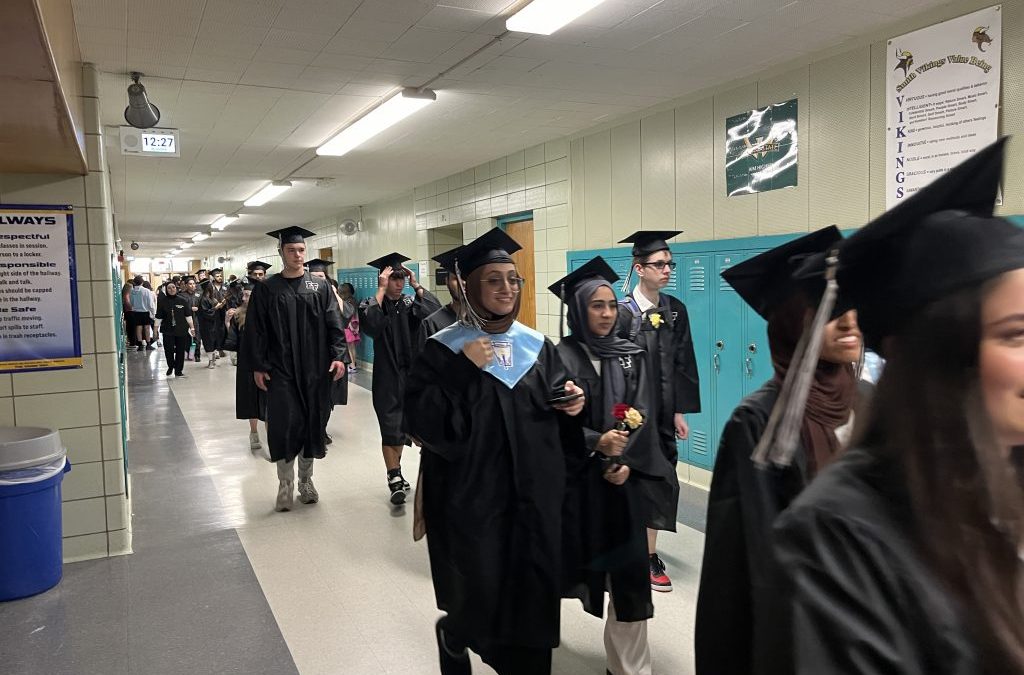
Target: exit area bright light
(544, 17)
(270, 191)
(387, 114)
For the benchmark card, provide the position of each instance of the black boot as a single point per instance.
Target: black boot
(454, 658)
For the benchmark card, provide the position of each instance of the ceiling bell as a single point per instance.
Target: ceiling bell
(140, 113)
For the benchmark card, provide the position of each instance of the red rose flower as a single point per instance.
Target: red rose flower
(619, 411)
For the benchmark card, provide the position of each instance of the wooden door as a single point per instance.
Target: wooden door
(522, 232)
(326, 254)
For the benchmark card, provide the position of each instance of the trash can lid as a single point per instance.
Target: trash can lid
(22, 447)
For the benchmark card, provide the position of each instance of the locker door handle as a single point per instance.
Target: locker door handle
(718, 364)
(750, 366)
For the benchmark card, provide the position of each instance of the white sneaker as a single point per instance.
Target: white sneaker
(234, 358)
(285, 496)
(212, 363)
(308, 493)
(254, 442)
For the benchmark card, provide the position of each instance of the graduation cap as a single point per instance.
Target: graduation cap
(939, 240)
(216, 270)
(201, 271)
(766, 280)
(442, 273)
(646, 242)
(188, 278)
(493, 246)
(257, 265)
(565, 288)
(293, 234)
(392, 260)
(318, 265)
(204, 283)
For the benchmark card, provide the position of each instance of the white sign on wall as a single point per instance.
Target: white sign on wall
(942, 99)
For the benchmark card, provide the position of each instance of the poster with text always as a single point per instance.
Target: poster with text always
(942, 100)
(39, 327)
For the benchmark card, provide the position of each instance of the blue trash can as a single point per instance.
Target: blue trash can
(32, 467)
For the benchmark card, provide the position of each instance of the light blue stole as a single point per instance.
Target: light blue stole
(515, 351)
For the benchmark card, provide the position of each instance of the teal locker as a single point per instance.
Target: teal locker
(757, 359)
(727, 347)
(694, 270)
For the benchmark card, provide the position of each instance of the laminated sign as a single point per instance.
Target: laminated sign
(39, 327)
(942, 99)
(761, 149)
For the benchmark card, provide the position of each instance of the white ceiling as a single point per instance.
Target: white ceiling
(255, 85)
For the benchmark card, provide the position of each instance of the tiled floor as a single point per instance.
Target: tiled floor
(349, 589)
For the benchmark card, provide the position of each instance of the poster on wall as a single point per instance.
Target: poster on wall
(761, 149)
(942, 99)
(38, 291)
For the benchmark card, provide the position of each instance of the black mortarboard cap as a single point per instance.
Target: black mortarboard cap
(318, 264)
(187, 278)
(938, 241)
(646, 242)
(490, 247)
(201, 271)
(596, 267)
(292, 234)
(766, 280)
(392, 260)
(257, 264)
(216, 270)
(445, 259)
(204, 283)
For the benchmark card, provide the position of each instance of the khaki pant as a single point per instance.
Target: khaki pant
(626, 646)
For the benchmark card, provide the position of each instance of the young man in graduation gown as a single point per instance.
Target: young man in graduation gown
(256, 270)
(611, 501)
(393, 319)
(448, 314)
(296, 345)
(191, 292)
(660, 324)
(220, 290)
(319, 269)
(489, 399)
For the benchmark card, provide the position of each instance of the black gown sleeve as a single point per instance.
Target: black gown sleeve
(372, 319)
(337, 347)
(257, 339)
(231, 342)
(846, 598)
(686, 379)
(425, 306)
(436, 409)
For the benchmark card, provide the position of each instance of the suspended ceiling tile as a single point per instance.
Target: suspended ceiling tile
(423, 45)
(292, 39)
(246, 12)
(454, 18)
(284, 55)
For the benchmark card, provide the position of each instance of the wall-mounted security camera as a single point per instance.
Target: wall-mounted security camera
(135, 246)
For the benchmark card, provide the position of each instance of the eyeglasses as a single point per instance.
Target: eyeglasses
(660, 265)
(497, 284)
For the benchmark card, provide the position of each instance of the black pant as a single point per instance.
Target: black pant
(175, 349)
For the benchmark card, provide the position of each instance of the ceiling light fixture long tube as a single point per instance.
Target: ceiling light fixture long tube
(223, 222)
(388, 113)
(200, 237)
(544, 17)
(268, 192)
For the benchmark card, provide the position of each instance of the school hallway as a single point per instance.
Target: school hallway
(220, 583)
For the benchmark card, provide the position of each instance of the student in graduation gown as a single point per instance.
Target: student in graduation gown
(250, 400)
(905, 554)
(660, 324)
(448, 314)
(256, 270)
(392, 319)
(740, 593)
(175, 315)
(212, 328)
(481, 398)
(296, 344)
(223, 291)
(195, 296)
(319, 269)
(611, 500)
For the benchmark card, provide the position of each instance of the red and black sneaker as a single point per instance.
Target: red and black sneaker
(659, 579)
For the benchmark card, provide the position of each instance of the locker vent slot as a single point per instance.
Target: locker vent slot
(698, 279)
(698, 442)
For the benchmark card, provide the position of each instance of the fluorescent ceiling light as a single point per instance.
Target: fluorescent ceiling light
(544, 17)
(223, 222)
(269, 191)
(388, 113)
(185, 244)
(200, 237)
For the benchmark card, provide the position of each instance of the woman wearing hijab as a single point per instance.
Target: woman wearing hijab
(494, 409)
(905, 555)
(742, 626)
(175, 314)
(250, 401)
(612, 501)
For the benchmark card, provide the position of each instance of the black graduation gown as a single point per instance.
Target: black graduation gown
(612, 532)
(742, 625)
(250, 400)
(863, 599)
(294, 332)
(339, 389)
(439, 320)
(673, 364)
(493, 485)
(212, 327)
(393, 328)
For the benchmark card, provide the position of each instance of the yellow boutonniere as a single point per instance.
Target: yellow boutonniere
(655, 319)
